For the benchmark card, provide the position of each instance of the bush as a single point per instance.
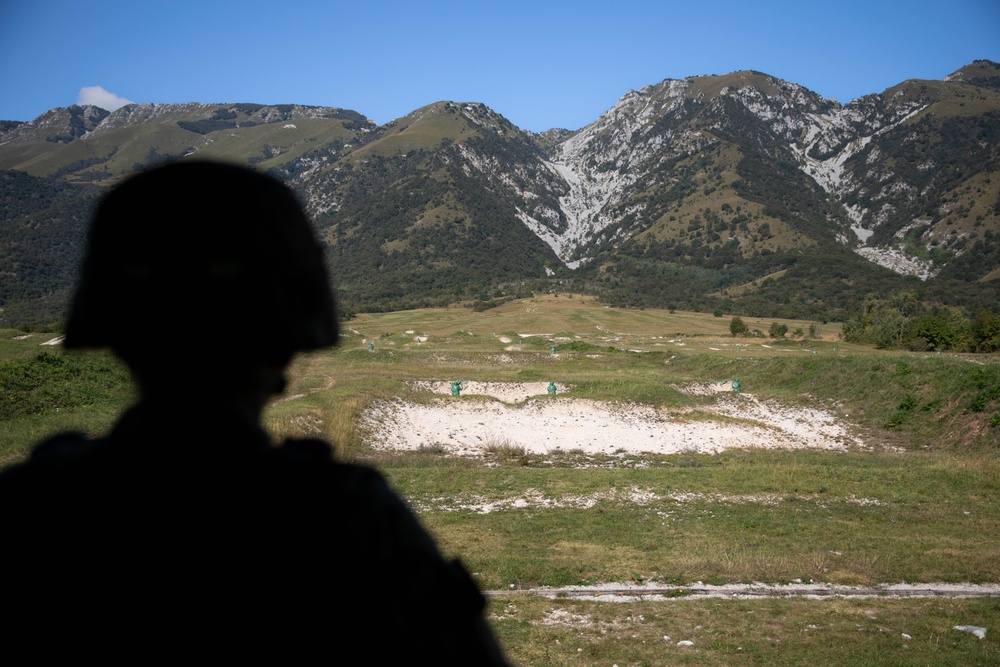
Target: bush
(50, 382)
(738, 327)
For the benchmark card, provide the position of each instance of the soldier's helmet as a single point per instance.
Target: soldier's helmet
(202, 261)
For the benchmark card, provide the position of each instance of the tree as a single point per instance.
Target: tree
(938, 330)
(738, 328)
(985, 331)
(778, 330)
(888, 328)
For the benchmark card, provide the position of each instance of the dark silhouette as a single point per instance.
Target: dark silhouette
(185, 531)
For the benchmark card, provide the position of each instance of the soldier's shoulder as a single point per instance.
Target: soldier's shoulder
(49, 461)
(61, 445)
(63, 449)
(306, 450)
(311, 456)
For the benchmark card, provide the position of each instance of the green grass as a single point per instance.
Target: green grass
(44, 392)
(578, 315)
(15, 344)
(921, 505)
(738, 517)
(774, 632)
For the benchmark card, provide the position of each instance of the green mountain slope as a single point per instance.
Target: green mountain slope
(737, 192)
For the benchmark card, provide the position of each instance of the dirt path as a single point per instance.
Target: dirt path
(630, 592)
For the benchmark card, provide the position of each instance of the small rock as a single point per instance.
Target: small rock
(666, 638)
(974, 629)
(907, 637)
(685, 642)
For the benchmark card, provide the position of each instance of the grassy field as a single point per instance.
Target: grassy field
(919, 504)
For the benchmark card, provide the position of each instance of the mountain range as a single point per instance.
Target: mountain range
(739, 193)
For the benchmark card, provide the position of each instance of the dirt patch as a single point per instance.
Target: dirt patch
(533, 499)
(525, 417)
(508, 392)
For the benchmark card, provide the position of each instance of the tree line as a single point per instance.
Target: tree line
(900, 321)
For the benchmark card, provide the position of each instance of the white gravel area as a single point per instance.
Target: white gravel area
(532, 499)
(507, 392)
(524, 416)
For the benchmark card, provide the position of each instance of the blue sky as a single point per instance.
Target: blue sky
(541, 64)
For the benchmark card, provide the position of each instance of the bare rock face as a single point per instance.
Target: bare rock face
(60, 126)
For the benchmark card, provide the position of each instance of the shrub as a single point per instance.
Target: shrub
(738, 327)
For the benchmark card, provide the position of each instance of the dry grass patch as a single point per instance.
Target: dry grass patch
(772, 632)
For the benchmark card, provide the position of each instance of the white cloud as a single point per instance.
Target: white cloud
(98, 97)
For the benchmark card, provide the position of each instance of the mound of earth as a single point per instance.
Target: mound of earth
(508, 392)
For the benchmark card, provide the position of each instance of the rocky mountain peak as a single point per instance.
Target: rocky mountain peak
(978, 73)
(61, 125)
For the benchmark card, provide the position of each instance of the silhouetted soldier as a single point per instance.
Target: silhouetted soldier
(185, 532)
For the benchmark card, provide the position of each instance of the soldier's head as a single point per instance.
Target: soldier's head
(202, 267)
